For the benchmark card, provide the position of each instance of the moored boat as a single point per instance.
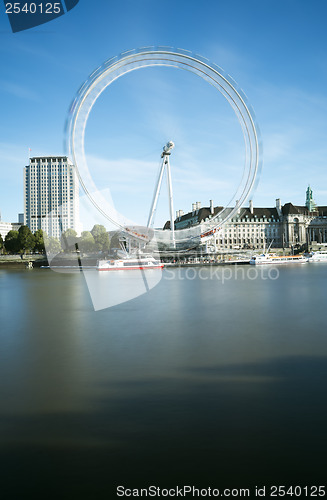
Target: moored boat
(277, 259)
(320, 256)
(129, 264)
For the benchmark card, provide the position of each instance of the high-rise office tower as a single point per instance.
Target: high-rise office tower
(51, 198)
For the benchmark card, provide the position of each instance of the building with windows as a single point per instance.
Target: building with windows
(5, 227)
(282, 226)
(51, 195)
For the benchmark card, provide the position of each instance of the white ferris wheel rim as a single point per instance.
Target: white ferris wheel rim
(134, 59)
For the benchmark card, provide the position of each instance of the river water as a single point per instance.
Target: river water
(209, 380)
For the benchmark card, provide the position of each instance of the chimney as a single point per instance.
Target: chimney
(193, 207)
(251, 206)
(177, 214)
(238, 208)
(211, 207)
(198, 205)
(181, 212)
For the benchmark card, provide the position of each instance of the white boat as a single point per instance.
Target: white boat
(277, 259)
(129, 264)
(318, 256)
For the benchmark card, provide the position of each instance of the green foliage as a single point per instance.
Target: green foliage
(52, 245)
(114, 240)
(102, 242)
(23, 240)
(97, 230)
(26, 239)
(86, 242)
(12, 244)
(101, 238)
(68, 240)
(39, 241)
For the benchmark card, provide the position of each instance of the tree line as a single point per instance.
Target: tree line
(24, 241)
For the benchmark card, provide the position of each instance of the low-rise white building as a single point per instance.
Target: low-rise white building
(5, 227)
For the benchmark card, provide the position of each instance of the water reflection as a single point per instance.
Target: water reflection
(195, 381)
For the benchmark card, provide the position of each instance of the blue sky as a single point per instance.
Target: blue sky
(275, 50)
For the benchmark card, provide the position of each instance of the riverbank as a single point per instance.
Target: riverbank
(22, 261)
(37, 261)
(208, 264)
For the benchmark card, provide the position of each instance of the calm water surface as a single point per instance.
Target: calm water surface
(196, 382)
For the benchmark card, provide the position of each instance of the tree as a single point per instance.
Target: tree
(26, 239)
(114, 240)
(103, 242)
(86, 242)
(12, 244)
(97, 230)
(39, 241)
(68, 240)
(1, 243)
(52, 245)
(101, 237)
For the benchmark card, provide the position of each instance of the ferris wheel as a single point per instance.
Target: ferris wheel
(136, 59)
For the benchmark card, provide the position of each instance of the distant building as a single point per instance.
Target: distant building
(51, 200)
(21, 218)
(5, 227)
(281, 226)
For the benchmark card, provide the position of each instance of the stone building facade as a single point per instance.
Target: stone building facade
(282, 226)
